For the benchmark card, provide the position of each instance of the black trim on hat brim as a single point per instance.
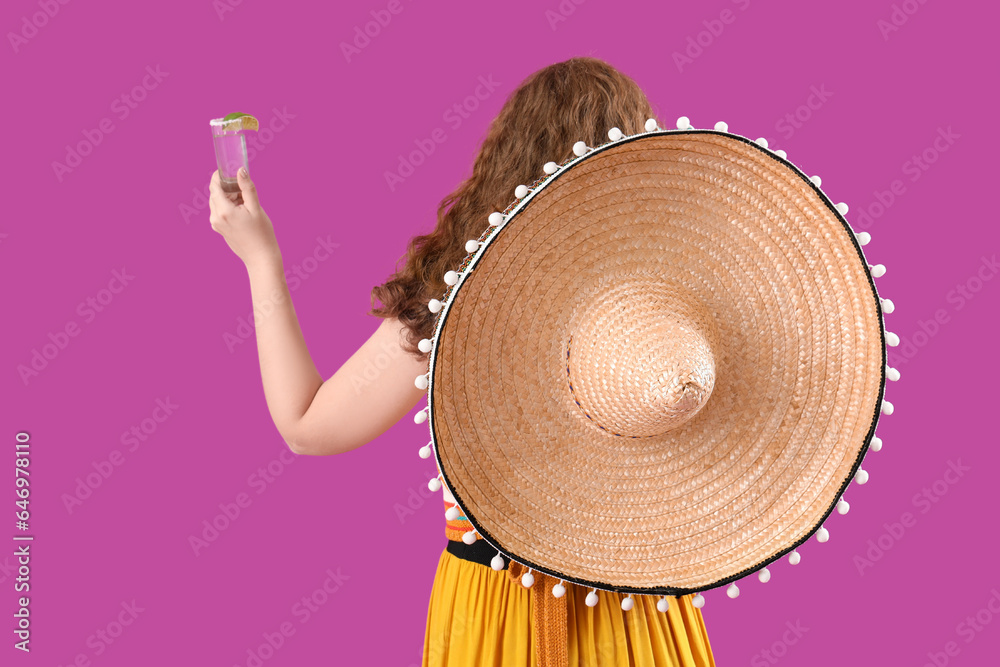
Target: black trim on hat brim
(470, 265)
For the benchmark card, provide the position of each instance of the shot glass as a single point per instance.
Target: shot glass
(230, 152)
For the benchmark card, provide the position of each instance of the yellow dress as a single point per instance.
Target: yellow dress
(481, 617)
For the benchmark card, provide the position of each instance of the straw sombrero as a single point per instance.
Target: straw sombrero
(658, 370)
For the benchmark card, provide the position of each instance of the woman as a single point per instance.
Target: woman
(476, 616)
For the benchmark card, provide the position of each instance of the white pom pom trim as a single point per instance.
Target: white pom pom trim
(496, 217)
(527, 579)
(497, 562)
(469, 536)
(722, 126)
(822, 535)
(434, 484)
(861, 476)
(614, 134)
(592, 598)
(876, 443)
(887, 305)
(425, 345)
(764, 575)
(816, 180)
(886, 407)
(521, 191)
(425, 452)
(663, 604)
(843, 507)
(761, 141)
(434, 305)
(451, 278)
(559, 590)
(864, 238)
(842, 208)
(627, 603)
(421, 381)
(733, 591)
(877, 271)
(421, 416)
(472, 245)
(891, 339)
(794, 558)
(452, 513)
(579, 148)
(684, 123)
(780, 153)
(651, 125)
(550, 168)
(698, 601)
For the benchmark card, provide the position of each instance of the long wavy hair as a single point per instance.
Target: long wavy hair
(579, 99)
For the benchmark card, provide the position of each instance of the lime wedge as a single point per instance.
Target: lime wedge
(245, 122)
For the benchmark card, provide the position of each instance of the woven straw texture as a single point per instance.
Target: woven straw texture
(662, 371)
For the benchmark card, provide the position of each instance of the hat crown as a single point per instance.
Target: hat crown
(640, 364)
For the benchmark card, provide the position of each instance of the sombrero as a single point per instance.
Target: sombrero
(659, 368)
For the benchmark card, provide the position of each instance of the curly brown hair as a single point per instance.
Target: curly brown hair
(578, 99)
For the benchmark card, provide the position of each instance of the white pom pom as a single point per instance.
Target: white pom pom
(420, 417)
(550, 168)
(421, 382)
(864, 238)
(886, 407)
(842, 208)
(816, 180)
(627, 603)
(878, 270)
(527, 579)
(663, 604)
(496, 217)
(861, 476)
(794, 558)
(472, 245)
(822, 535)
(650, 124)
(452, 513)
(876, 443)
(843, 507)
(434, 305)
(891, 339)
(497, 562)
(698, 601)
(891, 373)
(733, 591)
(764, 575)
(558, 590)
(614, 134)
(425, 345)
(591, 598)
(469, 536)
(683, 123)
(434, 484)
(425, 452)
(451, 278)
(780, 153)
(887, 305)
(721, 126)
(579, 148)
(521, 191)
(761, 141)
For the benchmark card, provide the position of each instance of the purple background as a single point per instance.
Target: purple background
(132, 204)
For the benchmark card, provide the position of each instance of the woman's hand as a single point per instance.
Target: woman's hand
(243, 223)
